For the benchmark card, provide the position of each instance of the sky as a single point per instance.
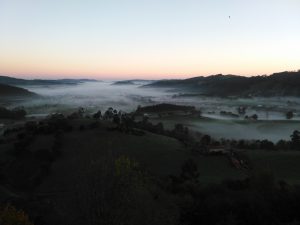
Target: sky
(148, 39)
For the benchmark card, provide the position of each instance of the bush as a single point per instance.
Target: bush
(9, 215)
(17, 113)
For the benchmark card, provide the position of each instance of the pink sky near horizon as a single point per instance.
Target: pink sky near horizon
(121, 73)
(144, 67)
(107, 76)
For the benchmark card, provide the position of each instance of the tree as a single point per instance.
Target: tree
(289, 115)
(16, 113)
(189, 170)
(295, 138)
(205, 140)
(19, 112)
(97, 115)
(267, 145)
(283, 145)
(179, 128)
(145, 119)
(160, 128)
(254, 116)
(116, 119)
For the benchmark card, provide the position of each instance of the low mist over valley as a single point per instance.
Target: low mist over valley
(219, 117)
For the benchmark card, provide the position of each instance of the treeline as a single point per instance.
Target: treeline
(16, 113)
(292, 144)
(194, 140)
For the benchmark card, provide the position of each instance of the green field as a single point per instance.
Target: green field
(158, 154)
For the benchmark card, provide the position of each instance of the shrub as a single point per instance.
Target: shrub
(9, 215)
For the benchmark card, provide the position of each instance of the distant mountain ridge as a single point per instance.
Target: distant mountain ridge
(20, 82)
(277, 84)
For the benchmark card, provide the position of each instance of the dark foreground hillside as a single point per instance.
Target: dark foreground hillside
(277, 84)
(75, 170)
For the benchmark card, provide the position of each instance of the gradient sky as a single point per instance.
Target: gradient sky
(148, 38)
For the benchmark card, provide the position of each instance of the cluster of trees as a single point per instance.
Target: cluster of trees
(54, 123)
(292, 144)
(127, 122)
(179, 131)
(201, 144)
(30, 166)
(241, 111)
(252, 117)
(258, 199)
(51, 125)
(16, 113)
(231, 114)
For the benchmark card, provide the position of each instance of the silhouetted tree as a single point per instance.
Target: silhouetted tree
(267, 145)
(97, 115)
(189, 170)
(205, 140)
(254, 116)
(283, 145)
(295, 138)
(289, 115)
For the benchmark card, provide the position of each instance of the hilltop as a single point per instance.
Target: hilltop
(133, 82)
(277, 84)
(21, 82)
(11, 91)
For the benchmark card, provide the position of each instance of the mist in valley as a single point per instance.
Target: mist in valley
(93, 96)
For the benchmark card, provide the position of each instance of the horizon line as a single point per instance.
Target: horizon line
(129, 77)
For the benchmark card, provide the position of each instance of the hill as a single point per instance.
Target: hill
(160, 108)
(11, 91)
(67, 170)
(277, 84)
(132, 82)
(124, 82)
(21, 82)
(65, 161)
